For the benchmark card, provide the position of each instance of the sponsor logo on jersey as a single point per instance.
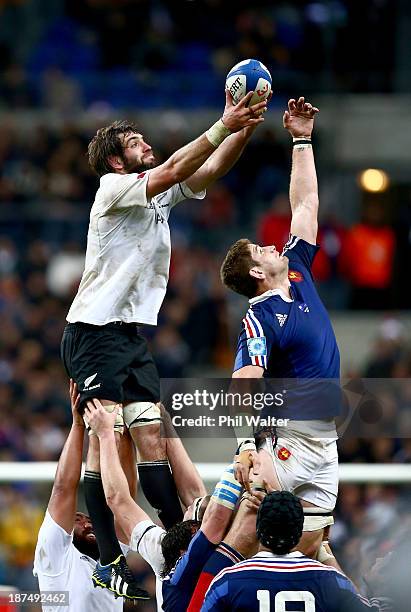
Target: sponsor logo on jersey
(88, 382)
(295, 276)
(281, 318)
(304, 307)
(257, 346)
(283, 453)
(141, 175)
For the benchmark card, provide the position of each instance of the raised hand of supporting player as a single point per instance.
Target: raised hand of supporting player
(253, 500)
(238, 116)
(299, 118)
(75, 403)
(242, 466)
(99, 418)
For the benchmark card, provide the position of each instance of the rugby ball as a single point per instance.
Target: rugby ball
(249, 75)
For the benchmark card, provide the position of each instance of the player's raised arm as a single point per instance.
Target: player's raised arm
(223, 158)
(184, 162)
(299, 121)
(222, 504)
(125, 510)
(63, 500)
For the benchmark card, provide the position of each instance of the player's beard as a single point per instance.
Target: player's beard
(86, 547)
(135, 166)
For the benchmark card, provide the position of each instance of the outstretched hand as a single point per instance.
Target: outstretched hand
(75, 403)
(299, 118)
(238, 116)
(100, 420)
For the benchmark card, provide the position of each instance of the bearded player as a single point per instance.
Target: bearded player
(123, 286)
(287, 334)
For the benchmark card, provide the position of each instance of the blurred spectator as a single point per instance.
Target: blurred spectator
(274, 225)
(65, 269)
(387, 350)
(368, 259)
(20, 520)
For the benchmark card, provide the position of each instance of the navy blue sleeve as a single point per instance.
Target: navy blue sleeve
(189, 567)
(299, 251)
(255, 341)
(347, 598)
(216, 599)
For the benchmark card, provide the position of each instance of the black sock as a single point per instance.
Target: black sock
(101, 517)
(160, 490)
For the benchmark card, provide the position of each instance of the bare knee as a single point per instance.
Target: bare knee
(150, 444)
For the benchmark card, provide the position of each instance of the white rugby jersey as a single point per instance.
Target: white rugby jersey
(146, 540)
(128, 252)
(59, 566)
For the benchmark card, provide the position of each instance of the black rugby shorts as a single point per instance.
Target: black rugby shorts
(110, 362)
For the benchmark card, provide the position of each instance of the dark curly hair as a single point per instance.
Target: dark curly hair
(107, 143)
(176, 540)
(280, 521)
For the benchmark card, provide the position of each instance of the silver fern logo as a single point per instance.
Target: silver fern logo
(88, 382)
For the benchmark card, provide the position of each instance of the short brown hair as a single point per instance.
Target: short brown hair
(235, 271)
(106, 143)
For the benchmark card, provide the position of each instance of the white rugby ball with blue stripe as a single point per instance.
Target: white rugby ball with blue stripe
(249, 75)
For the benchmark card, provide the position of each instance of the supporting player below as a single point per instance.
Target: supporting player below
(182, 568)
(277, 578)
(66, 552)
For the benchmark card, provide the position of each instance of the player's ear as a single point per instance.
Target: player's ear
(115, 162)
(257, 273)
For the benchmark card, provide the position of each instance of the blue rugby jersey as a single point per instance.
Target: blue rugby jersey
(180, 583)
(288, 583)
(294, 338)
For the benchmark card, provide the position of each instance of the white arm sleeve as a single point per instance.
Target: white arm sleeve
(53, 549)
(181, 192)
(146, 540)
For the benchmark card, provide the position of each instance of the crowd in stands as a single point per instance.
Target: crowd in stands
(71, 55)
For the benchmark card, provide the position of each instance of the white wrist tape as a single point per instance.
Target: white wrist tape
(139, 414)
(227, 490)
(303, 142)
(217, 133)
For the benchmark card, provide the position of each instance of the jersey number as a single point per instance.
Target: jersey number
(283, 597)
